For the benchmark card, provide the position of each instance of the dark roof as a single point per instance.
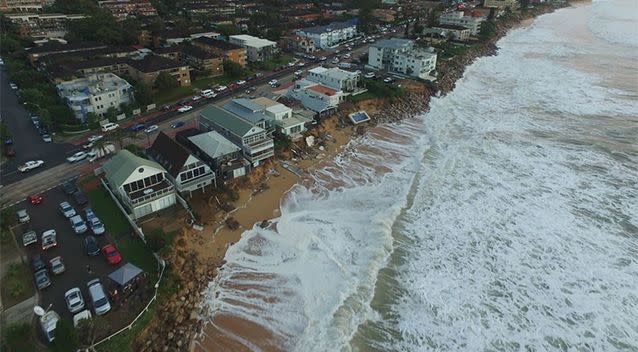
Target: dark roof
(196, 52)
(59, 47)
(168, 153)
(451, 26)
(152, 63)
(167, 49)
(95, 63)
(224, 45)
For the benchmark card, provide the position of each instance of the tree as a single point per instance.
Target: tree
(143, 94)
(227, 29)
(66, 338)
(93, 121)
(88, 329)
(488, 30)
(111, 114)
(165, 81)
(233, 69)
(45, 117)
(17, 338)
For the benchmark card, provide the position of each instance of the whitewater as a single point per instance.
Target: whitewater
(504, 219)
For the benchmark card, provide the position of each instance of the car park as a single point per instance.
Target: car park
(67, 210)
(78, 224)
(99, 300)
(137, 127)
(184, 109)
(30, 165)
(69, 187)
(80, 198)
(177, 124)
(56, 265)
(37, 263)
(23, 216)
(90, 245)
(49, 239)
(81, 155)
(29, 237)
(42, 280)
(74, 300)
(35, 199)
(109, 126)
(111, 254)
(151, 129)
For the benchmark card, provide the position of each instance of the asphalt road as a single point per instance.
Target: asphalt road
(28, 144)
(70, 246)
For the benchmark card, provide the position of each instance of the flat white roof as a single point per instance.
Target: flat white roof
(251, 41)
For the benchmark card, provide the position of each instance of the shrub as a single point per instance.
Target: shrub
(17, 338)
(17, 289)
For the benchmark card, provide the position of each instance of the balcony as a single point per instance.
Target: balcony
(149, 194)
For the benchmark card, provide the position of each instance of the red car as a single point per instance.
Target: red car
(35, 199)
(111, 254)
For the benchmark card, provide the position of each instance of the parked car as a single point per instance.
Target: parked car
(388, 80)
(109, 126)
(100, 302)
(23, 216)
(42, 280)
(177, 124)
(37, 263)
(196, 97)
(208, 93)
(35, 199)
(95, 137)
(35, 120)
(78, 224)
(30, 165)
(272, 81)
(184, 109)
(49, 239)
(69, 187)
(81, 155)
(74, 300)
(29, 237)
(90, 245)
(221, 89)
(151, 129)
(335, 60)
(137, 127)
(8, 141)
(57, 265)
(13, 86)
(94, 222)
(369, 75)
(241, 82)
(67, 210)
(249, 90)
(80, 198)
(111, 254)
(46, 138)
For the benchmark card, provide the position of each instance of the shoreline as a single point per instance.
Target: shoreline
(181, 322)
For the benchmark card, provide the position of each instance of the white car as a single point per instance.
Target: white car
(221, 88)
(208, 93)
(49, 239)
(13, 86)
(388, 80)
(184, 108)
(74, 300)
(46, 138)
(77, 157)
(109, 127)
(151, 129)
(241, 82)
(67, 210)
(196, 97)
(272, 82)
(335, 60)
(30, 165)
(23, 216)
(369, 75)
(95, 137)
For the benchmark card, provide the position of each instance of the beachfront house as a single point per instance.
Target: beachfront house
(316, 96)
(257, 49)
(186, 171)
(469, 19)
(402, 57)
(335, 78)
(330, 35)
(256, 143)
(283, 119)
(141, 185)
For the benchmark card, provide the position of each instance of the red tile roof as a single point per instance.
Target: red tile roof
(323, 90)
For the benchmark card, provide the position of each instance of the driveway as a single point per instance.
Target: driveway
(28, 144)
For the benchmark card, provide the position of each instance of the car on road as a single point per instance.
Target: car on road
(90, 245)
(37, 263)
(177, 124)
(109, 126)
(74, 300)
(81, 155)
(29, 238)
(196, 97)
(49, 239)
(23, 216)
(100, 302)
(42, 280)
(13, 86)
(69, 187)
(272, 82)
(241, 82)
(95, 137)
(301, 64)
(111, 254)
(221, 89)
(8, 141)
(35, 199)
(369, 75)
(36, 120)
(46, 138)
(388, 80)
(249, 90)
(335, 60)
(233, 86)
(80, 198)
(137, 127)
(151, 129)
(298, 73)
(30, 165)
(78, 224)
(184, 109)
(208, 93)
(67, 210)
(56, 265)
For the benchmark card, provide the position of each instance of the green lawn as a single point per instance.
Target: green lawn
(107, 211)
(208, 82)
(172, 95)
(136, 252)
(361, 97)
(123, 341)
(16, 285)
(279, 60)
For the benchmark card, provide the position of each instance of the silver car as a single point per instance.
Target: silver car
(100, 302)
(67, 209)
(23, 216)
(42, 280)
(57, 265)
(74, 300)
(78, 224)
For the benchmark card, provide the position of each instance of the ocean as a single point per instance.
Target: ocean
(504, 219)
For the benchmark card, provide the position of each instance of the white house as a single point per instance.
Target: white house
(449, 30)
(316, 96)
(330, 35)
(381, 53)
(257, 49)
(141, 185)
(186, 171)
(335, 78)
(414, 62)
(95, 94)
(459, 18)
(281, 117)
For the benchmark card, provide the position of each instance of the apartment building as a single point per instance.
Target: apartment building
(222, 155)
(501, 4)
(381, 53)
(42, 26)
(330, 35)
(24, 5)
(196, 57)
(140, 185)
(147, 70)
(257, 49)
(469, 20)
(53, 48)
(316, 96)
(95, 94)
(335, 78)
(228, 51)
(449, 31)
(417, 62)
(123, 9)
(255, 142)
